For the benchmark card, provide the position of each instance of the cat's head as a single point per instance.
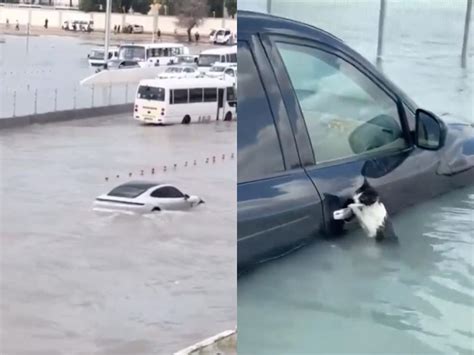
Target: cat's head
(366, 194)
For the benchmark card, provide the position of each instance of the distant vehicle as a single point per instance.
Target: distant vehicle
(212, 36)
(180, 71)
(84, 26)
(223, 36)
(222, 69)
(187, 59)
(96, 56)
(148, 55)
(146, 196)
(128, 28)
(223, 55)
(163, 101)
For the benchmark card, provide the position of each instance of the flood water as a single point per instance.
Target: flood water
(350, 296)
(74, 281)
(47, 70)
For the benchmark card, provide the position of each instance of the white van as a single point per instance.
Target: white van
(222, 55)
(164, 101)
(223, 36)
(150, 55)
(96, 56)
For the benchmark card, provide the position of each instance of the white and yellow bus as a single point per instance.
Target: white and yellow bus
(168, 101)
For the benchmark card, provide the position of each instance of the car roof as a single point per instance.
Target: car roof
(142, 184)
(254, 22)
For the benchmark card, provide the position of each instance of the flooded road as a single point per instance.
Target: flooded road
(80, 282)
(36, 71)
(352, 296)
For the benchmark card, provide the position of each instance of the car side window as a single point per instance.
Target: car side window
(346, 113)
(259, 151)
(167, 192)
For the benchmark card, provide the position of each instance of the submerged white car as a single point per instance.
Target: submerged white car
(145, 196)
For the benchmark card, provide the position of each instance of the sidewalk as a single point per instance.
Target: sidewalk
(95, 36)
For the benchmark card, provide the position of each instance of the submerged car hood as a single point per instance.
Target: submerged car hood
(458, 153)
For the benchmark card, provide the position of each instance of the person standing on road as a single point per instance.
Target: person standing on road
(196, 36)
(115, 29)
(118, 29)
(158, 34)
(17, 26)
(7, 23)
(46, 24)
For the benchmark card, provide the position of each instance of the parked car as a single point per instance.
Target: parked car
(223, 36)
(180, 71)
(146, 196)
(222, 69)
(132, 28)
(316, 119)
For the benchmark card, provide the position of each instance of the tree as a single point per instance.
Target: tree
(215, 7)
(190, 13)
(141, 6)
(88, 5)
(231, 6)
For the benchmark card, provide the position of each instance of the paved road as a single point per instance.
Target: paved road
(114, 284)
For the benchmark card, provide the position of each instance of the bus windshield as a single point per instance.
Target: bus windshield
(206, 60)
(132, 53)
(97, 54)
(151, 93)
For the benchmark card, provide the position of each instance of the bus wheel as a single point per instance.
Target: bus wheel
(186, 120)
(228, 116)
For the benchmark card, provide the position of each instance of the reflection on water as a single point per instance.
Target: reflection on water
(353, 296)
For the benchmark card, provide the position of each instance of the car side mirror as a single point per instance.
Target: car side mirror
(186, 196)
(430, 131)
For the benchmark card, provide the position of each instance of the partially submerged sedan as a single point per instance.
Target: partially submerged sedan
(145, 196)
(316, 120)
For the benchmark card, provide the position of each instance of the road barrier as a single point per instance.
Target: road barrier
(174, 166)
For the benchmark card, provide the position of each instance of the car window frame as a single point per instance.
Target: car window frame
(281, 121)
(166, 187)
(292, 103)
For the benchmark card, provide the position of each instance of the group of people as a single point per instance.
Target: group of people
(17, 25)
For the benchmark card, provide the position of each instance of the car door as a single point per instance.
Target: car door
(352, 127)
(170, 198)
(279, 207)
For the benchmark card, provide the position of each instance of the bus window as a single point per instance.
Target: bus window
(233, 58)
(210, 95)
(180, 96)
(195, 95)
(231, 94)
(151, 93)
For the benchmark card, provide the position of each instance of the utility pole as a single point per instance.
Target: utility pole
(466, 34)
(269, 6)
(381, 28)
(223, 14)
(108, 11)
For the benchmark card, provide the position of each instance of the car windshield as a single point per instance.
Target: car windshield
(218, 69)
(97, 54)
(151, 93)
(206, 60)
(130, 190)
(132, 53)
(220, 33)
(174, 70)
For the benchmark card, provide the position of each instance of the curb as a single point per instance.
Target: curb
(214, 345)
(63, 116)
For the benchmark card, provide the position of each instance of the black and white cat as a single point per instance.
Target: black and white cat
(371, 213)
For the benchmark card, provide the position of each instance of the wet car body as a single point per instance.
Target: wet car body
(145, 197)
(286, 198)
